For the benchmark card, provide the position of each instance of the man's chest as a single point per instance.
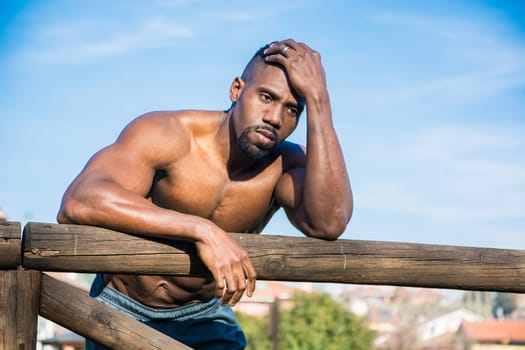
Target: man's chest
(234, 203)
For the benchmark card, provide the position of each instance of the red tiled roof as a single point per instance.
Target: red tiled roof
(495, 330)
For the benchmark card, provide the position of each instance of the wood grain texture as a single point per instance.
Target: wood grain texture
(10, 245)
(73, 308)
(19, 302)
(79, 248)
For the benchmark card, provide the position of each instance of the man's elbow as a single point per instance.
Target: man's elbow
(332, 224)
(332, 231)
(62, 217)
(70, 212)
(65, 213)
(332, 228)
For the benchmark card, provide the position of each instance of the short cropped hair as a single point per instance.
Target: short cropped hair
(256, 58)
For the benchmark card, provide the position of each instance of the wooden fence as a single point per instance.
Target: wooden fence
(26, 292)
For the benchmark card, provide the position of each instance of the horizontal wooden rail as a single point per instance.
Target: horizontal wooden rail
(73, 308)
(77, 248)
(10, 245)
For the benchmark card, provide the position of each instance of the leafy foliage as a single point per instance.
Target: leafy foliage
(504, 303)
(315, 322)
(318, 322)
(256, 331)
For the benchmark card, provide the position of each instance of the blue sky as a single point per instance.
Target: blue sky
(428, 99)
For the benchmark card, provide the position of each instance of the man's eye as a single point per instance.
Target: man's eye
(265, 97)
(293, 111)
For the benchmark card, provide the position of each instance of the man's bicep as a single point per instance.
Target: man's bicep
(121, 166)
(289, 195)
(144, 146)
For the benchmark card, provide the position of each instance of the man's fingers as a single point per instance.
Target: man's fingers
(285, 48)
(241, 286)
(277, 51)
(285, 53)
(299, 48)
(237, 283)
(229, 291)
(251, 277)
(219, 286)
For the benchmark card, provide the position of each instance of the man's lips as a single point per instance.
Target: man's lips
(268, 134)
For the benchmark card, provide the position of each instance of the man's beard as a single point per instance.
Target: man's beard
(253, 151)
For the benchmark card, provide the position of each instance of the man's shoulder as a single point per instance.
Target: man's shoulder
(180, 120)
(177, 122)
(289, 148)
(293, 155)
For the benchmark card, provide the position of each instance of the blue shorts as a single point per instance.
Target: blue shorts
(206, 325)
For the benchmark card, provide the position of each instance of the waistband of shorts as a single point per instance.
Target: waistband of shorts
(143, 312)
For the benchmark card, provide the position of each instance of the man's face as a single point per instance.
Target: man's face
(266, 111)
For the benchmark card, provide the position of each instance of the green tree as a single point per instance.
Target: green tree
(503, 304)
(256, 331)
(318, 322)
(315, 322)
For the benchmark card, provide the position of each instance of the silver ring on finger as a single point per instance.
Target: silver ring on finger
(285, 48)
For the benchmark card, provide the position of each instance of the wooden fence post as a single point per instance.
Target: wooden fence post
(73, 308)
(10, 245)
(275, 324)
(19, 293)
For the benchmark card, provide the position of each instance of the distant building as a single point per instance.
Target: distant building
(419, 319)
(266, 293)
(478, 302)
(519, 313)
(492, 335)
(64, 341)
(387, 309)
(439, 333)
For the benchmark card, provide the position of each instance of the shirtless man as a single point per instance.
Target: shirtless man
(195, 175)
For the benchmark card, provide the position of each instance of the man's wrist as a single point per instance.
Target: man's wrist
(318, 102)
(202, 229)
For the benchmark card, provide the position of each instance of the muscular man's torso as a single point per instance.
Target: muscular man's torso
(200, 184)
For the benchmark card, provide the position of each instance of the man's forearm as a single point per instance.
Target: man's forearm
(327, 196)
(108, 205)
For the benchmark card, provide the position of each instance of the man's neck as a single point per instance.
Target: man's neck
(231, 154)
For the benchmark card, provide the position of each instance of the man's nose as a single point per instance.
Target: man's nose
(273, 116)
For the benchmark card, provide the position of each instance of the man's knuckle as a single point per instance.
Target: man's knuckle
(245, 256)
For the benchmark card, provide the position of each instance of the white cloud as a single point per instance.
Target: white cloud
(87, 41)
(450, 173)
(455, 29)
(441, 141)
(475, 59)
(239, 16)
(173, 3)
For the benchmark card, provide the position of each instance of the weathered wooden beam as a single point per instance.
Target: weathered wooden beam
(73, 308)
(78, 248)
(10, 245)
(19, 301)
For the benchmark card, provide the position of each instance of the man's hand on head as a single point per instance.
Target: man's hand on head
(303, 66)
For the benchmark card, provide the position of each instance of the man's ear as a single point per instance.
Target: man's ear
(236, 89)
